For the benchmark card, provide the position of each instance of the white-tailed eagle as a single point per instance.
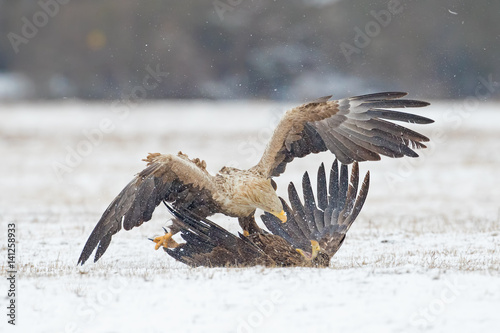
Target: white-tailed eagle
(315, 229)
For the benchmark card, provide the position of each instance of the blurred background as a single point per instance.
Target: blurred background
(244, 49)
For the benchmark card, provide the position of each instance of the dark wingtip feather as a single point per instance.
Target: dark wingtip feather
(360, 201)
(398, 116)
(322, 193)
(81, 260)
(83, 257)
(309, 203)
(92, 242)
(102, 247)
(380, 96)
(423, 104)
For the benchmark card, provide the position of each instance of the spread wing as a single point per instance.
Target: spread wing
(354, 129)
(208, 244)
(325, 219)
(172, 178)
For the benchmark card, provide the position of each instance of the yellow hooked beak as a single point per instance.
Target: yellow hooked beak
(281, 216)
(314, 251)
(315, 248)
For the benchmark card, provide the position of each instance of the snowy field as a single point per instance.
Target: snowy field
(424, 254)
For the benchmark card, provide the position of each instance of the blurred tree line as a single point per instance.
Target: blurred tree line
(282, 49)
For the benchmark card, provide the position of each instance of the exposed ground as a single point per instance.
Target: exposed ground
(424, 254)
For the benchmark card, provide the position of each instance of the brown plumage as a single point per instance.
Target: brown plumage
(321, 222)
(354, 129)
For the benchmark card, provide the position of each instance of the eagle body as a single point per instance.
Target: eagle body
(357, 129)
(238, 190)
(316, 228)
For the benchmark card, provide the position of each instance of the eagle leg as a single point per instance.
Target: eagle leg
(165, 241)
(249, 225)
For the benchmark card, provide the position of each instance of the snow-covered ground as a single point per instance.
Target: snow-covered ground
(424, 254)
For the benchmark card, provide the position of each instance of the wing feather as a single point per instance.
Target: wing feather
(340, 209)
(309, 204)
(321, 188)
(208, 244)
(175, 179)
(354, 129)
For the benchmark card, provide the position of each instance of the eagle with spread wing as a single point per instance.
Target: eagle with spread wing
(354, 129)
(313, 233)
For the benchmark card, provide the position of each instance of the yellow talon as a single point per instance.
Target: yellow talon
(165, 241)
(246, 233)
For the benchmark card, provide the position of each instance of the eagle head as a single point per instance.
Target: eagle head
(261, 193)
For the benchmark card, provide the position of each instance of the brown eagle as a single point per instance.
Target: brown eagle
(315, 229)
(354, 129)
